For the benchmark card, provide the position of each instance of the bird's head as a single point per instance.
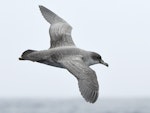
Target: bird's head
(98, 59)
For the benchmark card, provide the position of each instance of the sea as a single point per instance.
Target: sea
(113, 105)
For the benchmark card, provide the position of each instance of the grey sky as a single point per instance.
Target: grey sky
(117, 29)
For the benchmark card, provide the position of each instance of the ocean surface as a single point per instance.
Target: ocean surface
(74, 106)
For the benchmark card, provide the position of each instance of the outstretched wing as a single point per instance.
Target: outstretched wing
(86, 77)
(60, 30)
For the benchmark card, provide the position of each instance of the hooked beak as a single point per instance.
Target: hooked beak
(104, 63)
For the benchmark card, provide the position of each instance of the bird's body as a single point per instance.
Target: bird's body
(54, 55)
(63, 53)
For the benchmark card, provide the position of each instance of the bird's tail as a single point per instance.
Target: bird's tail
(25, 54)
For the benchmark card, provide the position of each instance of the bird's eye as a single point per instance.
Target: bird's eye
(100, 57)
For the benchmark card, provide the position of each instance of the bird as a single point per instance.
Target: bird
(63, 53)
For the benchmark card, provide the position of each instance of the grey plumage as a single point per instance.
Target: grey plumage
(64, 54)
(60, 30)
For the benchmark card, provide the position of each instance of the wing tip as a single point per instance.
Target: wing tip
(41, 6)
(90, 95)
(44, 11)
(91, 100)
